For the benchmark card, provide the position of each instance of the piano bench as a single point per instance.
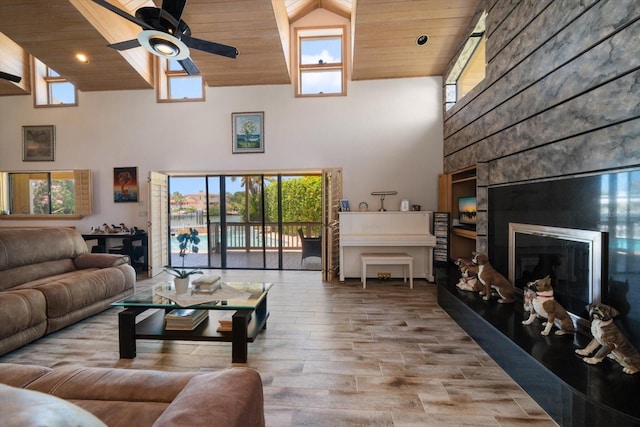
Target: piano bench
(387, 259)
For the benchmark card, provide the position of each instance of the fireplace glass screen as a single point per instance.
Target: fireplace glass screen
(563, 254)
(567, 262)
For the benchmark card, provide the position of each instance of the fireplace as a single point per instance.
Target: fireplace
(607, 203)
(571, 257)
(550, 217)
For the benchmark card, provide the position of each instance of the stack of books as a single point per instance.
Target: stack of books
(206, 284)
(226, 322)
(185, 319)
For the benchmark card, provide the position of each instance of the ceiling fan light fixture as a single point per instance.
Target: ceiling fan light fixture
(163, 45)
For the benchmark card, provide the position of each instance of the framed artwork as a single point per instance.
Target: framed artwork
(38, 143)
(344, 205)
(125, 185)
(248, 132)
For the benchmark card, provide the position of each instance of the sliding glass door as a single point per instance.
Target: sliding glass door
(254, 226)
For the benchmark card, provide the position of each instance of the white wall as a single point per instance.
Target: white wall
(386, 135)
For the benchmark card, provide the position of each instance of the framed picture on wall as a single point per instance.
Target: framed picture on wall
(38, 143)
(125, 184)
(247, 132)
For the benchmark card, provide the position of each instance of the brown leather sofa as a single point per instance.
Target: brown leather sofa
(128, 397)
(49, 279)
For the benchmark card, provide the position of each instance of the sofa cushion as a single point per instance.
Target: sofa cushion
(22, 318)
(21, 309)
(18, 409)
(81, 290)
(24, 257)
(20, 247)
(43, 271)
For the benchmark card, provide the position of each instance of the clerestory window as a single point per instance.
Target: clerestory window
(320, 62)
(176, 85)
(470, 67)
(52, 89)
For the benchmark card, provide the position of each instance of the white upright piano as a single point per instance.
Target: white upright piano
(384, 232)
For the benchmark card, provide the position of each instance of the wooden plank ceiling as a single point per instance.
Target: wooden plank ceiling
(384, 39)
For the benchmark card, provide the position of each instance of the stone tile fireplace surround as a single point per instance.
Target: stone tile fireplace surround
(573, 392)
(607, 203)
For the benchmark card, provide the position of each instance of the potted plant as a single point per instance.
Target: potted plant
(187, 243)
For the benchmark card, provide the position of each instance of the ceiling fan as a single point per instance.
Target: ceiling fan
(10, 77)
(165, 34)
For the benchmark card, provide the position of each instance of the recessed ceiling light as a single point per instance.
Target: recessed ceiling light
(82, 58)
(422, 40)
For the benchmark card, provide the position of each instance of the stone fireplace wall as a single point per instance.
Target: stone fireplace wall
(560, 97)
(560, 100)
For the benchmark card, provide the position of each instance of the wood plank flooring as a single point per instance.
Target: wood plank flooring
(333, 355)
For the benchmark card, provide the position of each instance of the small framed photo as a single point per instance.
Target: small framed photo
(344, 205)
(248, 132)
(125, 185)
(38, 143)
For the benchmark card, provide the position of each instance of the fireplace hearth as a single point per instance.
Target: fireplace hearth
(572, 392)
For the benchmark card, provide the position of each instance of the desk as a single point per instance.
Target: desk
(125, 244)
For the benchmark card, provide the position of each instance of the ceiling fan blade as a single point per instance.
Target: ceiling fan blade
(189, 66)
(124, 14)
(174, 7)
(10, 77)
(128, 44)
(211, 47)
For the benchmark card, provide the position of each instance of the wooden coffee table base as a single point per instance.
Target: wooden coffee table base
(246, 324)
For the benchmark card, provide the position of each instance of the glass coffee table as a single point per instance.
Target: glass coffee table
(249, 318)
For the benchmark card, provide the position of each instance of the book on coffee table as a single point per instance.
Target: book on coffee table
(225, 323)
(185, 319)
(206, 284)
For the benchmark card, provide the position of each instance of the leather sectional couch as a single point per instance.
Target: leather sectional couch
(49, 279)
(90, 397)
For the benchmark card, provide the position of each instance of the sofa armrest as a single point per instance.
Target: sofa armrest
(229, 398)
(97, 260)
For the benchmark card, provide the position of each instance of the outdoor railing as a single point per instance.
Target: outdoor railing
(248, 236)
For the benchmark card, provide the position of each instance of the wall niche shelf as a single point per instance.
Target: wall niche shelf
(452, 186)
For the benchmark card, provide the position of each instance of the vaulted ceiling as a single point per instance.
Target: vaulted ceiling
(384, 36)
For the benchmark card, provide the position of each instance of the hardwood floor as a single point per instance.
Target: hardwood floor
(332, 355)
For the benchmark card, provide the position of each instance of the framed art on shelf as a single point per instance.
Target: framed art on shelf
(344, 205)
(248, 132)
(125, 185)
(38, 143)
